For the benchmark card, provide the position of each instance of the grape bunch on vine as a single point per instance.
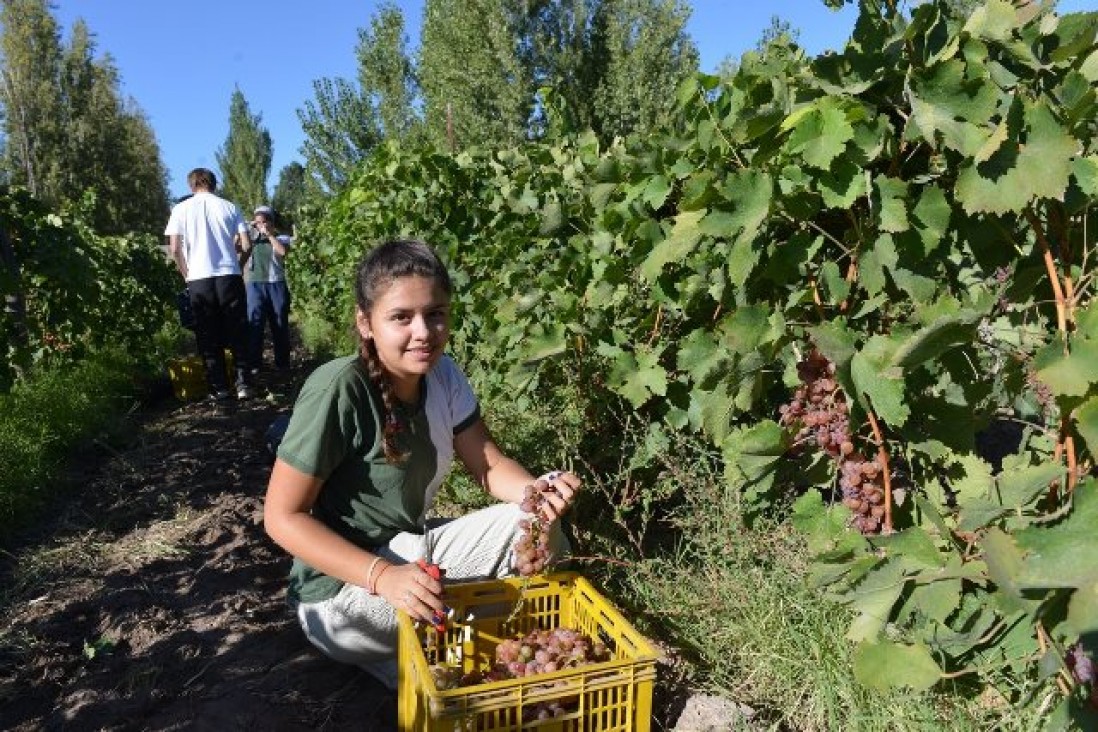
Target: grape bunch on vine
(819, 413)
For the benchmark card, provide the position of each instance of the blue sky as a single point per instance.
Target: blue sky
(180, 61)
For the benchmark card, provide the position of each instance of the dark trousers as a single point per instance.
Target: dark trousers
(220, 322)
(269, 302)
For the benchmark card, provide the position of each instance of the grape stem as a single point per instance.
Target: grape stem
(1063, 679)
(882, 455)
(1065, 307)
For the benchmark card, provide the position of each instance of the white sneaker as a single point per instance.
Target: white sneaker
(244, 392)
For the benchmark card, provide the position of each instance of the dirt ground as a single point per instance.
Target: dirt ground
(153, 600)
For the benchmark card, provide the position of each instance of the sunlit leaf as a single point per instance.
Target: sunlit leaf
(884, 665)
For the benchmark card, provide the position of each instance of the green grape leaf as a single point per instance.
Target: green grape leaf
(657, 191)
(931, 341)
(921, 289)
(649, 379)
(842, 185)
(711, 410)
(994, 21)
(824, 527)
(1086, 421)
(745, 329)
(680, 241)
(885, 665)
(1085, 171)
(1004, 566)
(835, 341)
(873, 600)
(1021, 486)
(1063, 555)
(1017, 174)
(1086, 322)
(700, 356)
(1069, 375)
(758, 448)
(893, 201)
(913, 547)
(1082, 614)
(835, 286)
(820, 133)
(935, 600)
(949, 103)
(931, 215)
(882, 383)
(544, 342)
(979, 513)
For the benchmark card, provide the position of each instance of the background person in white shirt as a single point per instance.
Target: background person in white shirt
(207, 239)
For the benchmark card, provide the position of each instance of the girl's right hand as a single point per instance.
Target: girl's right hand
(407, 587)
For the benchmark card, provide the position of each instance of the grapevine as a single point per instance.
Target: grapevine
(819, 413)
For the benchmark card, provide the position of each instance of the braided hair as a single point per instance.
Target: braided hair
(389, 261)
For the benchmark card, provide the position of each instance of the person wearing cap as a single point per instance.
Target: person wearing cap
(207, 240)
(268, 294)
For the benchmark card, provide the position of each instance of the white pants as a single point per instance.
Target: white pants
(359, 628)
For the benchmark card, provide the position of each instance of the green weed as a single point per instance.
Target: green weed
(44, 417)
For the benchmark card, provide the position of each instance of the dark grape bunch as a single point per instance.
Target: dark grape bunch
(532, 547)
(819, 413)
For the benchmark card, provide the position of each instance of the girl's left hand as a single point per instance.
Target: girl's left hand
(565, 487)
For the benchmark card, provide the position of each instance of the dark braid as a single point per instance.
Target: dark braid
(392, 424)
(384, 264)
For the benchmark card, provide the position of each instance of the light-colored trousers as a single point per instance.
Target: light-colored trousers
(359, 628)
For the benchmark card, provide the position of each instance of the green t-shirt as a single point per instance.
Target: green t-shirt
(264, 265)
(335, 434)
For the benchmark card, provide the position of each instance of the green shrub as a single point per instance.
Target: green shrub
(43, 417)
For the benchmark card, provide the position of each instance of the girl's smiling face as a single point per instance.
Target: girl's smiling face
(409, 325)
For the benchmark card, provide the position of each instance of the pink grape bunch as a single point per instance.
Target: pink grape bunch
(818, 412)
(537, 652)
(546, 651)
(818, 409)
(531, 553)
(1084, 670)
(861, 482)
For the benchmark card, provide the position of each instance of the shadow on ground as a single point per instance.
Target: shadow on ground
(154, 601)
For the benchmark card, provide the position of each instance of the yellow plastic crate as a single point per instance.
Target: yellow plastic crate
(188, 376)
(610, 696)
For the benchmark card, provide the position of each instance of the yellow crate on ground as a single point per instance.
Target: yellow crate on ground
(188, 376)
(609, 696)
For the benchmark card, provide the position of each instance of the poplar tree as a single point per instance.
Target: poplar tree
(31, 45)
(647, 54)
(291, 192)
(386, 73)
(556, 46)
(71, 138)
(109, 146)
(245, 158)
(476, 89)
(341, 128)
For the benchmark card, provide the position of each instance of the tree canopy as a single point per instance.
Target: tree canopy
(245, 158)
